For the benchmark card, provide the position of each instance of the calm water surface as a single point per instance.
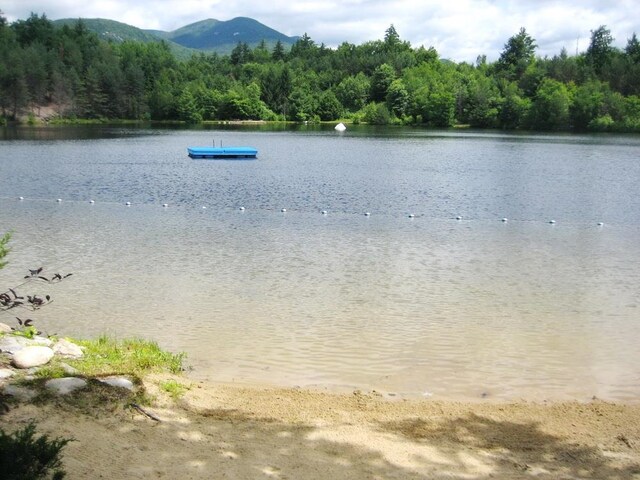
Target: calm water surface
(428, 305)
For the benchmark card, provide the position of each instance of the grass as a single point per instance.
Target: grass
(174, 389)
(108, 356)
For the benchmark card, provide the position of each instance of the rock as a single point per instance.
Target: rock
(10, 344)
(32, 357)
(13, 343)
(38, 340)
(21, 393)
(6, 373)
(121, 382)
(69, 370)
(66, 385)
(65, 348)
(4, 328)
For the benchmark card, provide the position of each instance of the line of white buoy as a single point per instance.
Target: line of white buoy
(323, 212)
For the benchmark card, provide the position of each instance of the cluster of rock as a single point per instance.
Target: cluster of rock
(23, 356)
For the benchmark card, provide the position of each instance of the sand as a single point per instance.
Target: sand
(243, 432)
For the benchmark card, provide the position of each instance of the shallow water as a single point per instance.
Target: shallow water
(418, 306)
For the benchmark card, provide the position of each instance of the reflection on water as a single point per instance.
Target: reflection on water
(407, 305)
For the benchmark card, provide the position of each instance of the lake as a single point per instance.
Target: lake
(430, 295)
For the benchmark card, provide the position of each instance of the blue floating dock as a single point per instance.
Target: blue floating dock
(222, 152)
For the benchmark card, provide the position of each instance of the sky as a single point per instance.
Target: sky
(459, 30)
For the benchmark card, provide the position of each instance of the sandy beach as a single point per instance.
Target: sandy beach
(249, 432)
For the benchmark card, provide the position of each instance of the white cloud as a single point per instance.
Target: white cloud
(460, 30)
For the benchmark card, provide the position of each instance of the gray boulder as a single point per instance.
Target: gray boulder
(121, 382)
(21, 393)
(32, 357)
(64, 386)
(10, 344)
(68, 349)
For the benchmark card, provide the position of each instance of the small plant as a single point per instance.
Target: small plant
(4, 240)
(24, 456)
(25, 328)
(174, 389)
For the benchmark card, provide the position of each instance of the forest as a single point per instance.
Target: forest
(78, 76)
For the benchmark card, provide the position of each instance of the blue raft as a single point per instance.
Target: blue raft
(222, 152)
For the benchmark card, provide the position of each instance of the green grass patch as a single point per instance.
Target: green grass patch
(51, 370)
(174, 389)
(108, 356)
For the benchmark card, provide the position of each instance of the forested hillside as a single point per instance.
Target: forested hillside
(383, 81)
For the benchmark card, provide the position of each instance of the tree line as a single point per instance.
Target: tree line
(380, 82)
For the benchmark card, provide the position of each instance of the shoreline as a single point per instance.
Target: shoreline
(219, 430)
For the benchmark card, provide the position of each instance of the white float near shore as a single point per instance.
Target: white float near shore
(340, 127)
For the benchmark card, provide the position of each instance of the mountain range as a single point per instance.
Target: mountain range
(207, 35)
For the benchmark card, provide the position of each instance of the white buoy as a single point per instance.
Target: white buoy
(458, 217)
(552, 222)
(340, 127)
(505, 220)
(165, 205)
(128, 204)
(20, 198)
(92, 201)
(324, 212)
(59, 200)
(411, 215)
(242, 209)
(367, 214)
(600, 224)
(204, 207)
(284, 210)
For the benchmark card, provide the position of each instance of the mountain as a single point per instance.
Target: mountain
(215, 35)
(207, 35)
(113, 31)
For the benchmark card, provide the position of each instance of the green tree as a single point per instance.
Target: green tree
(276, 87)
(162, 98)
(397, 98)
(376, 114)
(513, 109)
(241, 54)
(243, 103)
(188, 110)
(278, 52)
(632, 50)
(381, 80)
(563, 68)
(600, 50)
(208, 101)
(482, 102)
(353, 92)
(35, 29)
(391, 39)
(13, 85)
(550, 108)
(588, 103)
(518, 53)
(304, 48)
(329, 107)
(302, 104)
